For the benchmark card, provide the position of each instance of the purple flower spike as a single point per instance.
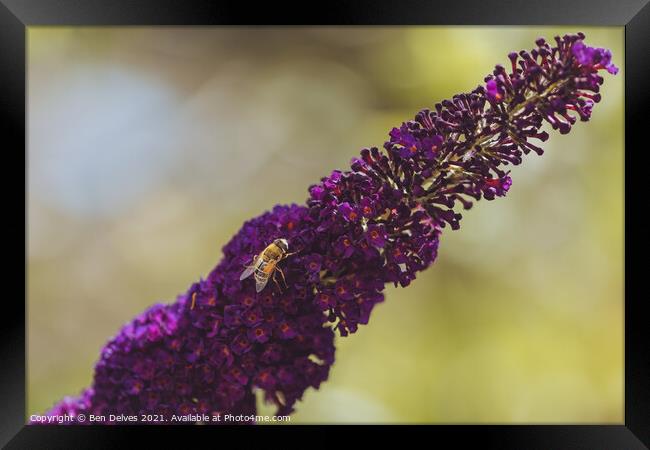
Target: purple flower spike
(349, 213)
(343, 289)
(367, 207)
(376, 235)
(313, 263)
(493, 91)
(325, 300)
(379, 222)
(260, 333)
(594, 57)
(344, 246)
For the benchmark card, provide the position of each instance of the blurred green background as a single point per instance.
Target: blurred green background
(148, 148)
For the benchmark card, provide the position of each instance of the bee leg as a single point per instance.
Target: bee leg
(276, 283)
(284, 280)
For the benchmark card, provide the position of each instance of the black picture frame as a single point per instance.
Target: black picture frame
(16, 15)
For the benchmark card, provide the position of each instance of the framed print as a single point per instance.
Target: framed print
(365, 214)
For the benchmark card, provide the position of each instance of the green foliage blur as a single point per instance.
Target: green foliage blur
(149, 147)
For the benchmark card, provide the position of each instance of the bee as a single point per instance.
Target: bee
(265, 264)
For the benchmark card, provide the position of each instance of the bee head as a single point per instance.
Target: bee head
(282, 243)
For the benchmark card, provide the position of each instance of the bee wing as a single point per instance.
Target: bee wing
(247, 273)
(260, 283)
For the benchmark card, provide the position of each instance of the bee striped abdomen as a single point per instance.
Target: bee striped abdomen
(268, 268)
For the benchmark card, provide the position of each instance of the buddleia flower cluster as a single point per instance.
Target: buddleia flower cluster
(375, 224)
